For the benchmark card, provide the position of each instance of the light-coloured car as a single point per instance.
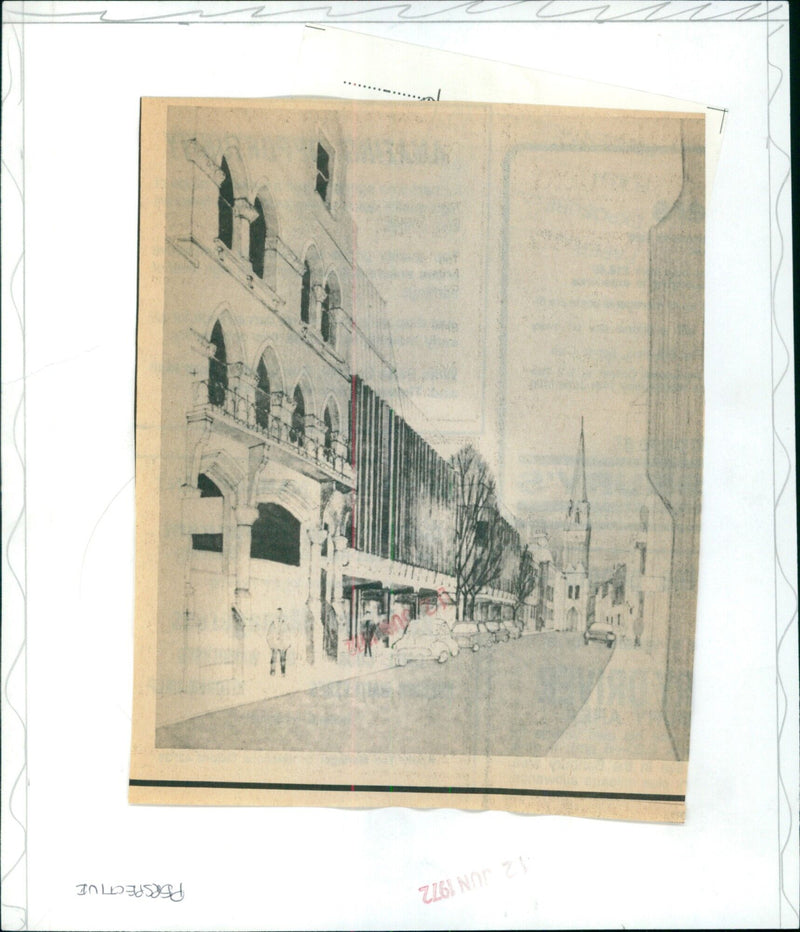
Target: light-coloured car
(513, 629)
(425, 639)
(472, 635)
(498, 632)
(600, 631)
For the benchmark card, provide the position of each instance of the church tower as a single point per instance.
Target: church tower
(577, 523)
(572, 594)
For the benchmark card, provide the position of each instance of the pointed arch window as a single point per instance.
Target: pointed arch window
(333, 300)
(208, 488)
(275, 535)
(329, 434)
(263, 398)
(217, 368)
(325, 320)
(297, 433)
(225, 206)
(258, 239)
(305, 294)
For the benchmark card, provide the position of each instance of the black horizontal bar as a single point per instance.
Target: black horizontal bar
(444, 790)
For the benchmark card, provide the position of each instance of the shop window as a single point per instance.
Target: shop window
(275, 535)
(225, 207)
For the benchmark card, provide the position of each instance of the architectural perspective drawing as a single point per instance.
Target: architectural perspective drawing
(419, 433)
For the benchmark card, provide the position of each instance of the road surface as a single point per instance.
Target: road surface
(512, 699)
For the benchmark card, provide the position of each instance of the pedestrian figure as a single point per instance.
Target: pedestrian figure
(638, 628)
(278, 640)
(369, 633)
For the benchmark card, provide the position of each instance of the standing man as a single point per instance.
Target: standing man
(278, 640)
(369, 632)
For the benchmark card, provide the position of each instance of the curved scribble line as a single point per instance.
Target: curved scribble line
(785, 818)
(404, 12)
(14, 35)
(97, 523)
(14, 565)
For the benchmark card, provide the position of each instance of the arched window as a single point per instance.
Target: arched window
(258, 239)
(298, 431)
(217, 368)
(329, 434)
(333, 299)
(262, 396)
(275, 535)
(208, 488)
(325, 322)
(225, 206)
(305, 294)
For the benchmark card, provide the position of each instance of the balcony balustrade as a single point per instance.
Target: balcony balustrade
(270, 416)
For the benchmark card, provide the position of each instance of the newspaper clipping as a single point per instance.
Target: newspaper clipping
(419, 455)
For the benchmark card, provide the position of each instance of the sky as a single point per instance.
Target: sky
(511, 246)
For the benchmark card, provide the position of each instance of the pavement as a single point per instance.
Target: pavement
(299, 678)
(622, 716)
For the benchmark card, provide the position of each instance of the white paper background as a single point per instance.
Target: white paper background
(284, 868)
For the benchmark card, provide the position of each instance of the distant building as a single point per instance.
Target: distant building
(571, 594)
(546, 573)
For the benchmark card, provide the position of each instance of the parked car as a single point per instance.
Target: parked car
(472, 635)
(600, 631)
(513, 629)
(498, 632)
(425, 639)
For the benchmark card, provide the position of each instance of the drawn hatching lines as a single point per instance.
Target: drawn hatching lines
(472, 10)
(14, 554)
(785, 813)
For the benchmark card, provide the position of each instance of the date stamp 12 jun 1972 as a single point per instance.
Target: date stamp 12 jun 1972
(474, 880)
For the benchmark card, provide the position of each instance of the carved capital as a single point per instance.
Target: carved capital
(319, 292)
(243, 208)
(340, 543)
(317, 536)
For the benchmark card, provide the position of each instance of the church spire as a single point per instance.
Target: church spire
(578, 525)
(579, 479)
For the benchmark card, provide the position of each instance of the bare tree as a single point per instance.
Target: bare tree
(525, 579)
(479, 531)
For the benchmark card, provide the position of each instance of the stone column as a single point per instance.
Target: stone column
(244, 214)
(245, 516)
(316, 536)
(243, 381)
(339, 561)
